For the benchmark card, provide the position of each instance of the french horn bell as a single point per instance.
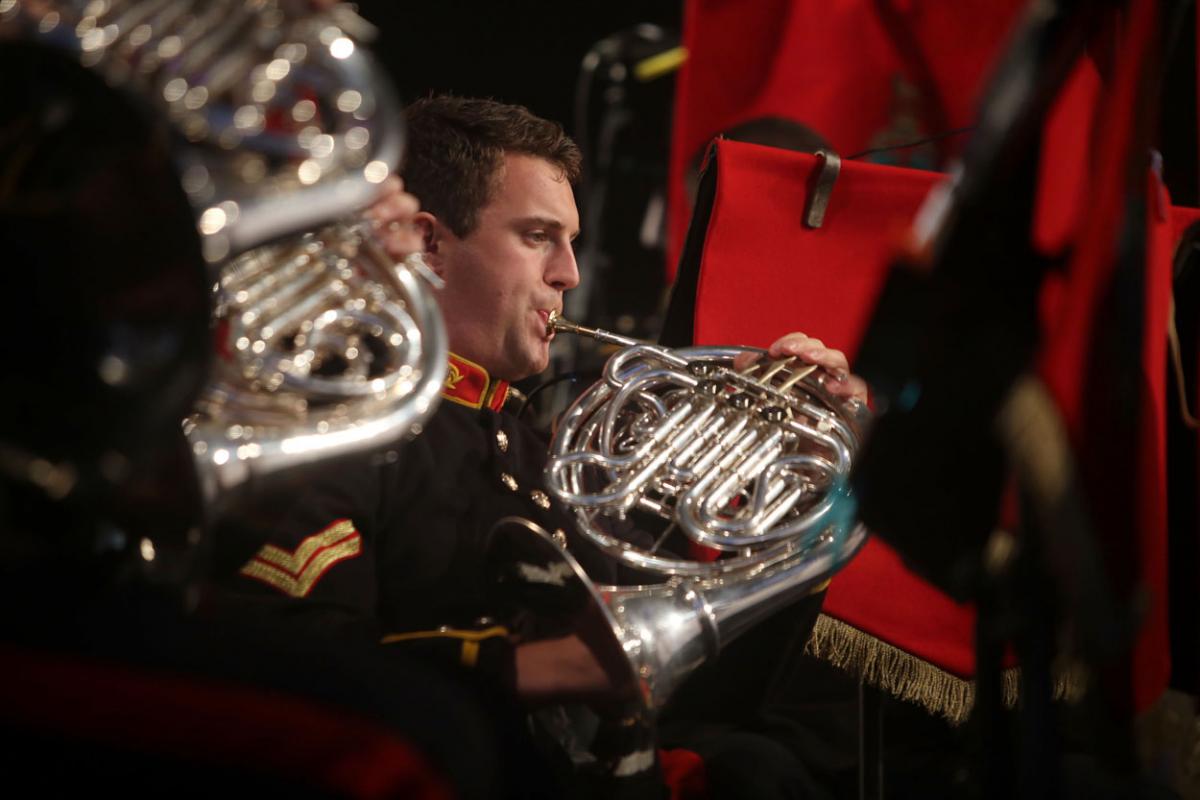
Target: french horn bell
(725, 490)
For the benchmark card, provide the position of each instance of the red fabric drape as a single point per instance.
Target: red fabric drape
(829, 64)
(137, 712)
(683, 774)
(763, 273)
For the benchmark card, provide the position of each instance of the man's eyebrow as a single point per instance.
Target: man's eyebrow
(544, 222)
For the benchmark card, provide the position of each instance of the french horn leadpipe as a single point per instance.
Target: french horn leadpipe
(557, 323)
(674, 450)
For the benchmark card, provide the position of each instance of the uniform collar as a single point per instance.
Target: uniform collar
(469, 384)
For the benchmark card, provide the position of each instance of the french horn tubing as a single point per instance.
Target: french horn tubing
(749, 463)
(284, 128)
(725, 488)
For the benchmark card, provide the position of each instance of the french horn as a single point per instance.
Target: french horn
(284, 129)
(724, 489)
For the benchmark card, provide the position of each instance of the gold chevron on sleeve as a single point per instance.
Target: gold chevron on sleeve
(295, 573)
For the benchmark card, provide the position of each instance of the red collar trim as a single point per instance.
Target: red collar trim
(469, 384)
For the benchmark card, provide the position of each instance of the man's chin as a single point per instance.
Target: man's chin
(524, 369)
(534, 366)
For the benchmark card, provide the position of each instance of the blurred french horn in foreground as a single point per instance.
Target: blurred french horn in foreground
(285, 128)
(325, 348)
(727, 488)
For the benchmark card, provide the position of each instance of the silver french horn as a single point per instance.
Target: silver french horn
(746, 469)
(285, 130)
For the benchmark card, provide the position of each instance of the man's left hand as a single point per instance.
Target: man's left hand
(813, 351)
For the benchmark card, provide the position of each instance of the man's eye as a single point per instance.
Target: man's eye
(537, 236)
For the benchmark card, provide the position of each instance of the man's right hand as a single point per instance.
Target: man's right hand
(552, 670)
(392, 216)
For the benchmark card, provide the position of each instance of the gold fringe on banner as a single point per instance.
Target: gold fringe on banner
(913, 679)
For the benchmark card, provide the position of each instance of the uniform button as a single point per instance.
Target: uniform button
(540, 498)
(509, 481)
(560, 538)
(502, 441)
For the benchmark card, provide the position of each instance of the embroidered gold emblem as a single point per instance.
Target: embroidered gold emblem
(540, 498)
(502, 441)
(509, 481)
(551, 574)
(454, 376)
(295, 573)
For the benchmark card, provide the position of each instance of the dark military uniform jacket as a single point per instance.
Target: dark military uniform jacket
(393, 546)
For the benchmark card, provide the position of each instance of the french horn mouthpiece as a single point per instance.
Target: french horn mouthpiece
(557, 323)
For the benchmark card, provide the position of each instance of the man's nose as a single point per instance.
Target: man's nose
(563, 270)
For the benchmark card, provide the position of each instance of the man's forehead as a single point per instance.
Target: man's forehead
(533, 188)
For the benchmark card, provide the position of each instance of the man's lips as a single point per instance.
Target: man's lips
(544, 316)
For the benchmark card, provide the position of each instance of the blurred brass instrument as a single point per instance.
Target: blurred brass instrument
(725, 488)
(285, 129)
(325, 348)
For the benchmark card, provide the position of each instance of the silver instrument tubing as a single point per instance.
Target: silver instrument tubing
(284, 125)
(285, 121)
(326, 348)
(752, 463)
(661, 632)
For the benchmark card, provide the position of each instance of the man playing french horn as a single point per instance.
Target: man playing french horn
(393, 548)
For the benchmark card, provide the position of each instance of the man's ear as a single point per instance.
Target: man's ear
(431, 238)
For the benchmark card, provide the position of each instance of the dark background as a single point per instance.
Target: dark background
(524, 51)
(529, 52)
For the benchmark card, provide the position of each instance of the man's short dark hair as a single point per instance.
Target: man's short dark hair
(456, 148)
